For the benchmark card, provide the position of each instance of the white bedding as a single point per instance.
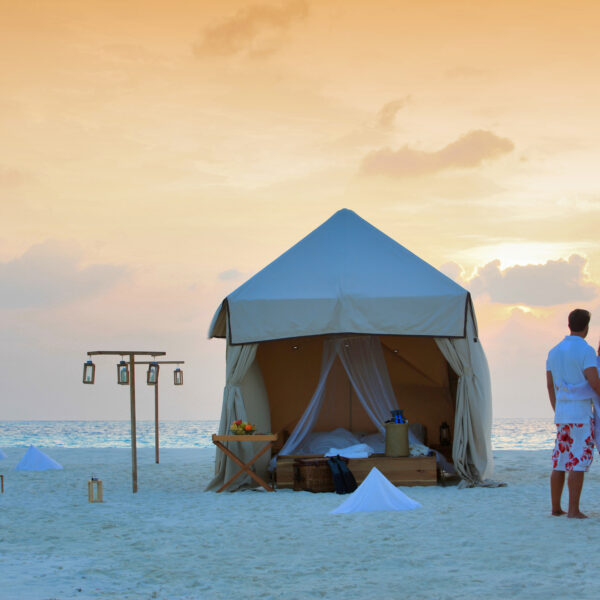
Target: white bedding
(321, 442)
(343, 442)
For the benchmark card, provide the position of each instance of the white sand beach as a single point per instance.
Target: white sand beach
(173, 541)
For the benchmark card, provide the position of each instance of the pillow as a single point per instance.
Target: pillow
(319, 443)
(376, 441)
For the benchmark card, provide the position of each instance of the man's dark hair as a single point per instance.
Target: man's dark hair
(579, 319)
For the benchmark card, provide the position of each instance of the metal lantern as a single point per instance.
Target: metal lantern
(89, 372)
(178, 376)
(94, 490)
(152, 375)
(123, 373)
(444, 434)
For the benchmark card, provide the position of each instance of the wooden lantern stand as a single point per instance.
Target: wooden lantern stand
(132, 354)
(155, 384)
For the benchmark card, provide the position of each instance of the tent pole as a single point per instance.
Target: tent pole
(133, 438)
(349, 404)
(156, 418)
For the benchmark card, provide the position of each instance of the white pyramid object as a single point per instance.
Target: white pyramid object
(2, 454)
(36, 460)
(375, 493)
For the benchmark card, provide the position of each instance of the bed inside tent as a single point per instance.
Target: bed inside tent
(352, 406)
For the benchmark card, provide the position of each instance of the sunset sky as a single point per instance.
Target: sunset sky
(156, 154)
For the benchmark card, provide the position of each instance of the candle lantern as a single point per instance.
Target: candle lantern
(94, 490)
(152, 374)
(89, 372)
(123, 373)
(444, 434)
(178, 376)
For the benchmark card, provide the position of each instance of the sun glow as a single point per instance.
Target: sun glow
(519, 253)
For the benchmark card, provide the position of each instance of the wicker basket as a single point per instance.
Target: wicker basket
(313, 475)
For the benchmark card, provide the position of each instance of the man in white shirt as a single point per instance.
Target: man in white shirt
(572, 363)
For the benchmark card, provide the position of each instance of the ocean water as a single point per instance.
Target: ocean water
(507, 434)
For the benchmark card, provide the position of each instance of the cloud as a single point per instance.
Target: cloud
(256, 30)
(387, 114)
(230, 274)
(454, 271)
(549, 284)
(516, 350)
(376, 131)
(49, 274)
(466, 152)
(12, 177)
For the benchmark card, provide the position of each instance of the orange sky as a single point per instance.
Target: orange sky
(156, 154)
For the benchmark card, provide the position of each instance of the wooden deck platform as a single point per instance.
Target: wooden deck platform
(409, 471)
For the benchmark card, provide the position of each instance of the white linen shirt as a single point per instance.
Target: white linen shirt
(567, 362)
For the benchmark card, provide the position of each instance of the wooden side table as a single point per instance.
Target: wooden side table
(245, 467)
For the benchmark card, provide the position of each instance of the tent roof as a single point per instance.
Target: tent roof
(344, 277)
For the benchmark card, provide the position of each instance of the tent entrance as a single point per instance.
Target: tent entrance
(420, 376)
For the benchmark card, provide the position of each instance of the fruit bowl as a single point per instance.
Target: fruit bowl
(242, 428)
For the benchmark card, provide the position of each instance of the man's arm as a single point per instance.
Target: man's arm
(591, 374)
(550, 386)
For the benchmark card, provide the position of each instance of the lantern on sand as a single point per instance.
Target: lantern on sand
(94, 490)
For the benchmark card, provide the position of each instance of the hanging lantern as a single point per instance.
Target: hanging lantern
(123, 373)
(152, 375)
(178, 376)
(89, 372)
(94, 490)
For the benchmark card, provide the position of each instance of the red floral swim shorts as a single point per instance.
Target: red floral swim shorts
(573, 450)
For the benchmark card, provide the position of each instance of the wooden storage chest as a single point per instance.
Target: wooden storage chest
(409, 471)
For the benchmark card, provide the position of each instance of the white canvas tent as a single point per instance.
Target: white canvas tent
(348, 279)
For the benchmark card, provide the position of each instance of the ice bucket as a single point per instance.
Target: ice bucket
(396, 439)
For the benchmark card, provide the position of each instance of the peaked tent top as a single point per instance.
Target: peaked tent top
(36, 460)
(376, 493)
(344, 277)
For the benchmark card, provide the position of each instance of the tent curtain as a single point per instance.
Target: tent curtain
(364, 363)
(309, 418)
(239, 360)
(471, 450)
